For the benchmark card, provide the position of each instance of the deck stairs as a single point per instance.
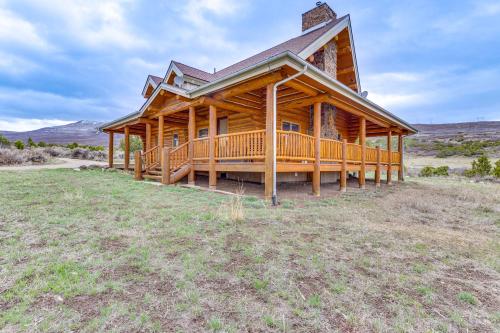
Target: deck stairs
(178, 164)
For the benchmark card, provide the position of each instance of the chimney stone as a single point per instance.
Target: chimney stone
(320, 14)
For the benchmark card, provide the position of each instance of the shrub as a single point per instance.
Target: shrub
(4, 142)
(135, 143)
(31, 143)
(496, 170)
(42, 144)
(19, 144)
(72, 145)
(11, 156)
(429, 171)
(36, 156)
(467, 298)
(480, 167)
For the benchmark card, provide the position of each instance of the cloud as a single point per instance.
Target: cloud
(14, 29)
(15, 65)
(27, 124)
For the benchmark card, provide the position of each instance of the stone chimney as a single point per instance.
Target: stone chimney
(320, 14)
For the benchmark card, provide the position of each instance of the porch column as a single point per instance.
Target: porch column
(127, 148)
(148, 141)
(269, 145)
(343, 170)
(316, 181)
(389, 162)
(377, 170)
(110, 149)
(191, 134)
(161, 140)
(212, 132)
(362, 142)
(401, 166)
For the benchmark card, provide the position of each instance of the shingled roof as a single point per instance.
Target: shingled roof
(294, 45)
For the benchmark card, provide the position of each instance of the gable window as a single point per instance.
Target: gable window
(289, 126)
(203, 132)
(175, 140)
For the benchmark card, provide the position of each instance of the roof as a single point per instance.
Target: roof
(294, 45)
(157, 80)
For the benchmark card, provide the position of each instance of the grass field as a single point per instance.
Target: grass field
(95, 251)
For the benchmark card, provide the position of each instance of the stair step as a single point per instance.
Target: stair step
(152, 177)
(154, 172)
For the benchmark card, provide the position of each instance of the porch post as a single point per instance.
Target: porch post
(212, 132)
(316, 182)
(165, 166)
(110, 149)
(401, 166)
(362, 142)
(389, 162)
(343, 170)
(377, 170)
(161, 140)
(269, 145)
(127, 148)
(148, 141)
(191, 134)
(138, 165)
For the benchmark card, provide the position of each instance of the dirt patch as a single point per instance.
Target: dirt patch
(113, 244)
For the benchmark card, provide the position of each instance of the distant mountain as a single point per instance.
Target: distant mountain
(480, 130)
(83, 132)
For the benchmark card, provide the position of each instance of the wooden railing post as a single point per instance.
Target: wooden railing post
(161, 139)
(165, 166)
(377, 169)
(316, 181)
(148, 141)
(191, 134)
(401, 166)
(269, 146)
(127, 148)
(212, 132)
(389, 158)
(343, 171)
(110, 149)
(138, 165)
(362, 142)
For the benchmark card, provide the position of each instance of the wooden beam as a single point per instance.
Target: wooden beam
(302, 87)
(377, 170)
(174, 108)
(343, 51)
(362, 142)
(212, 132)
(269, 144)
(316, 182)
(354, 110)
(127, 148)
(191, 135)
(110, 149)
(148, 140)
(161, 139)
(138, 165)
(389, 164)
(230, 106)
(249, 85)
(346, 70)
(304, 102)
(401, 166)
(343, 171)
(165, 166)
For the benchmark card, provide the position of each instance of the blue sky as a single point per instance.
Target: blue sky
(62, 61)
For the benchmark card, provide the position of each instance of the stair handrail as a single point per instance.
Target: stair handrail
(152, 162)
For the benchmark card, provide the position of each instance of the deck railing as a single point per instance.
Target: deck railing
(179, 156)
(331, 150)
(294, 146)
(371, 155)
(240, 146)
(151, 158)
(291, 146)
(353, 152)
(200, 149)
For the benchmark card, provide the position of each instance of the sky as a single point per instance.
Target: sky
(68, 60)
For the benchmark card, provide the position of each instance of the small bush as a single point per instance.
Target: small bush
(467, 297)
(429, 171)
(4, 142)
(19, 144)
(31, 143)
(135, 143)
(496, 170)
(42, 144)
(11, 156)
(480, 167)
(72, 145)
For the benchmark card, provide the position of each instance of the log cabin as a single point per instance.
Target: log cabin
(294, 112)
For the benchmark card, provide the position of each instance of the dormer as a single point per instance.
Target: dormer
(151, 83)
(186, 77)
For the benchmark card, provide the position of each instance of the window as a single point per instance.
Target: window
(202, 132)
(288, 126)
(175, 140)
